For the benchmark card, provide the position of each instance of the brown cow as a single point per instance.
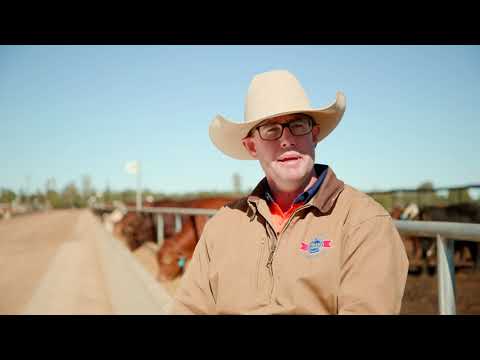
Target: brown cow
(176, 252)
(138, 228)
(466, 252)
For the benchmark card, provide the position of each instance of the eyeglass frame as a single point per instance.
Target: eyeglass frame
(284, 125)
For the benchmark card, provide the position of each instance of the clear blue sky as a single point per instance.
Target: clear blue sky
(412, 113)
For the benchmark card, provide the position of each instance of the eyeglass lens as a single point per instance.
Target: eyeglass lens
(297, 127)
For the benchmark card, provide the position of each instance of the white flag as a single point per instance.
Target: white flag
(131, 167)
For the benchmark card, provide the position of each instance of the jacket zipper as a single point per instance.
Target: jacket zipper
(276, 243)
(270, 259)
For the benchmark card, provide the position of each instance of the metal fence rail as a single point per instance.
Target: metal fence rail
(445, 234)
(159, 212)
(177, 211)
(163, 210)
(450, 230)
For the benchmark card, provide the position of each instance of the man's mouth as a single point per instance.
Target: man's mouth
(289, 158)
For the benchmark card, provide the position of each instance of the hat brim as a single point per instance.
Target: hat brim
(227, 135)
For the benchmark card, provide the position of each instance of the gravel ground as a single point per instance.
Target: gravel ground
(421, 294)
(49, 265)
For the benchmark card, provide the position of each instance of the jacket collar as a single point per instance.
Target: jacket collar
(323, 200)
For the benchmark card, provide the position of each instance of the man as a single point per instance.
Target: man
(302, 242)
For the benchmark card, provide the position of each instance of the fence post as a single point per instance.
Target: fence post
(446, 276)
(178, 223)
(160, 230)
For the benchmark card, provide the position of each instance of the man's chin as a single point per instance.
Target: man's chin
(291, 175)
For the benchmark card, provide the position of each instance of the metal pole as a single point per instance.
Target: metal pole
(139, 191)
(446, 276)
(160, 230)
(178, 223)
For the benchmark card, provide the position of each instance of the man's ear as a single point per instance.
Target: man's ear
(315, 133)
(249, 144)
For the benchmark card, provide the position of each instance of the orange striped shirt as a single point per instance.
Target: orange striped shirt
(279, 217)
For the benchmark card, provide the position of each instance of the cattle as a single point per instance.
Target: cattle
(110, 219)
(421, 251)
(137, 228)
(412, 243)
(461, 213)
(175, 254)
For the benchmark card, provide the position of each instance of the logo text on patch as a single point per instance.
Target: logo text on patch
(315, 245)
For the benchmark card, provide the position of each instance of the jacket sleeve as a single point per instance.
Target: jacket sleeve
(194, 295)
(374, 269)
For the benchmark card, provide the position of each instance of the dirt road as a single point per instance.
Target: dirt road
(49, 265)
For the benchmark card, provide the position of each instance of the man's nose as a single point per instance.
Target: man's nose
(287, 139)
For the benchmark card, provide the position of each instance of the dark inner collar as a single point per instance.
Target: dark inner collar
(320, 170)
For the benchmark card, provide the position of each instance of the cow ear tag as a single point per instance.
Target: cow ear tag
(181, 262)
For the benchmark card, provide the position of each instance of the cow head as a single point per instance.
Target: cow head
(172, 260)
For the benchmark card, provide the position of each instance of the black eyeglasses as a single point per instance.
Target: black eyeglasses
(297, 127)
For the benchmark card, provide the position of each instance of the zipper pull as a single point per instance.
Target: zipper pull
(270, 257)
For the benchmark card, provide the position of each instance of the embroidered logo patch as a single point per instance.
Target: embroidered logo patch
(315, 245)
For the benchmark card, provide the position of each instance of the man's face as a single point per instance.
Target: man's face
(287, 161)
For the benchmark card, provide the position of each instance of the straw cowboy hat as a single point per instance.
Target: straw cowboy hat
(271, 94)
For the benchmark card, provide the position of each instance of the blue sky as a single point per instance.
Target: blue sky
(65, 111)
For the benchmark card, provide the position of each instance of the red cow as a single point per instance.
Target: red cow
(176, 252)
(138, 228)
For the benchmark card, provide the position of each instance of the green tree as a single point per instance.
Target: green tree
(107, 195)
(458, 196)
(54, 199)
(129, 196)
(426, 185)
(426, 194)
(7, 196)
(22, 197)
(71, 196)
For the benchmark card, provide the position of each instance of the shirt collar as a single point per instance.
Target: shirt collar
(323, 200)
(320, 170)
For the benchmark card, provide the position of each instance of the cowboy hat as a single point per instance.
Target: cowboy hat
(272, 94)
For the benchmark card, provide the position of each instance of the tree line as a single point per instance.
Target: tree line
(424, 195)
(72, 196)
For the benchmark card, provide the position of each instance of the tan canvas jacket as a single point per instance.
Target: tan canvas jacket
(338, 254)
